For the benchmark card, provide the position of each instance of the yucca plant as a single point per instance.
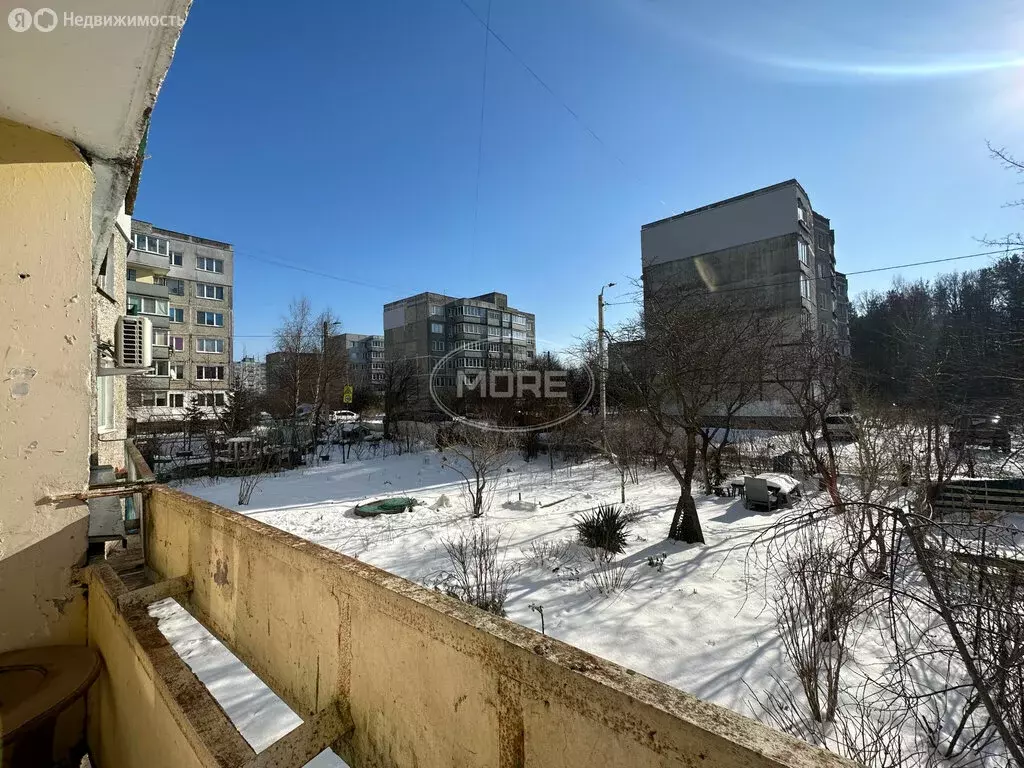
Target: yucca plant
(607, 527)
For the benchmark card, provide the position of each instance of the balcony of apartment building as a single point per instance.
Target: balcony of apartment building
(383, 671)
(155, 259)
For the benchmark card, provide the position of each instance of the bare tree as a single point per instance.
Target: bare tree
(814, 378)
(399, 388)
(332, 368)
(306, 367)
(476, 455)
(291, 368)
(695, 358)
(253, 464)
(628, 439)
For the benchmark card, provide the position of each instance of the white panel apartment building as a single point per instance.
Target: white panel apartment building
(183, 284)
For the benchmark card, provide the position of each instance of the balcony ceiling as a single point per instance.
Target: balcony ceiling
(93, 86)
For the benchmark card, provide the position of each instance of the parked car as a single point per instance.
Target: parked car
(342, 416)
(843, 426)
(990, 431)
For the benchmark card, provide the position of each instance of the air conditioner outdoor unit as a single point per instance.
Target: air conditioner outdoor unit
(134, 342)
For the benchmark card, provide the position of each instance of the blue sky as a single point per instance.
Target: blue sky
(343, 137)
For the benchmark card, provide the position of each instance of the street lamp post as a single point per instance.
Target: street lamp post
(602, 363)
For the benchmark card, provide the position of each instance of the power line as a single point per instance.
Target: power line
(922, 263)
(318, 273)
(543, 84)
(795, 281)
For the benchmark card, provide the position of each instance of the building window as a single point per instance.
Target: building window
(176, 287)
(177, 343)
(177, 399)
(519, 335)
(209, 399)
(210, 291)
(805, 286)
(804, 251)
(436, 310)
(104, 403)
(146, 305)
(204, 344)
(209, 373)
(154, 398)
(177, 371)
(519, 320)
(801, 213)
(159, 368)
(210, 318)
(207, 264)
(131, 274)
(379, 343)
(177, 315)
(177, 258)
(437, 328)
(159, 337)
(151, 244)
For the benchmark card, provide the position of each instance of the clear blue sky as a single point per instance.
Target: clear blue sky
(343, 137)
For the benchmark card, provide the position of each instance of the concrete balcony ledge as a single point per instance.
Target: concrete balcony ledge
(152, 261)
(422, 678)
(147, 289)
(152, 382)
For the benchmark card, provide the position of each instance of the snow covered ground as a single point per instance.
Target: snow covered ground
(700, 623)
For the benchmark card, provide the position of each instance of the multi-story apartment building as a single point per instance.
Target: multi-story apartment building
(183, 284)
(768, 246)
(365, 355)
(767, 249)
(250, 373)
(485, 330)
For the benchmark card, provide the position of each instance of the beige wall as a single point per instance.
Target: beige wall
(45, 384)
(431, 681)
(147, 709)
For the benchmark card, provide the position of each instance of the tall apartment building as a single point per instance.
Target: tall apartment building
(768, 246)
(365, 358)
(183, 284)
(250, 373)
(487, 332)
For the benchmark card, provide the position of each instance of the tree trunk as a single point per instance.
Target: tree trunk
(686, 522)
(705, 465)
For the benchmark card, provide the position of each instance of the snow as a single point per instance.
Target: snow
(258, 714)
(694, 617)
(700, 624)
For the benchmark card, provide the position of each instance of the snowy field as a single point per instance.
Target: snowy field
(700, 624)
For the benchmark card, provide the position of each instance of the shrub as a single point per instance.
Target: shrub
(607, 527)
(610, 577)
(550, 554)
(479, 574)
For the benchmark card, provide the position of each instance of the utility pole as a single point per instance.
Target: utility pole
(602, 364)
